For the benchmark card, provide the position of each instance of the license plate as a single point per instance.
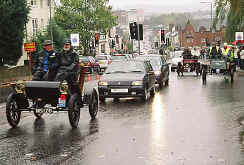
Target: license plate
(61, 103)
(119, 90)
(101, 62)
(39, 110)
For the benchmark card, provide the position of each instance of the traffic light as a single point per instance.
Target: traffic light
(97, 37)
(140, 31)
(162, 35)
(133, 30)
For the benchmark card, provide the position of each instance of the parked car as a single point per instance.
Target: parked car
(103, 61)
(127, 79)
(160, 67)
(90, 63)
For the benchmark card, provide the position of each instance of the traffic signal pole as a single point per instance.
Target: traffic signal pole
(138, 37)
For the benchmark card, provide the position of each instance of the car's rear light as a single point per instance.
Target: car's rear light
(63, 96)
(109, 62)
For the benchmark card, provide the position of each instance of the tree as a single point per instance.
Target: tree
(14, 16)
(86, 18)
(231, 11)
(59, 35)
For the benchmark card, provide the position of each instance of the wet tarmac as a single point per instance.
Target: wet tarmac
(186, 123)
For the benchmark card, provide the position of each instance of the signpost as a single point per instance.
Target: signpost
(75, 40)
(29, 48)
(239, 36)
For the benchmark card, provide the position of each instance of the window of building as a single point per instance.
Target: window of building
(33, 2)
(34, 26)
(41, 3)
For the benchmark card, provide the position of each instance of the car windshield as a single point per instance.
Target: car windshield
(155, 61)
(118, 58)
(98, 58)
(125, 67)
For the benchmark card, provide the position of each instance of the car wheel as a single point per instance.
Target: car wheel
(93, 106)
(152, 91)
(12, 113)
(74, 113)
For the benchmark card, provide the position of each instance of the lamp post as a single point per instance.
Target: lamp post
(211, 26)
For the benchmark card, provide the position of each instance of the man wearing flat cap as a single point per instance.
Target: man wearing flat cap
(45, 64)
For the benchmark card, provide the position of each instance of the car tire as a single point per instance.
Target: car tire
(93, 106)
(12, 113)
(74, 113)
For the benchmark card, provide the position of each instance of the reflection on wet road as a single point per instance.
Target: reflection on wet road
(185, 123)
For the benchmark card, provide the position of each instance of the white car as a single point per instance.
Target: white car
(103, 61)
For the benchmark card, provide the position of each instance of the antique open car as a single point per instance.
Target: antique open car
(190, 62)
(219, 66)
(42, 97)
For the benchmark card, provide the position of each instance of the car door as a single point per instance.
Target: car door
(150, 75)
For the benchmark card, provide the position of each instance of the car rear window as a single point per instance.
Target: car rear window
(118, 58)
(100, 58)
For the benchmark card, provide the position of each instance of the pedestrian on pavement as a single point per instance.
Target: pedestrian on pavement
(45, 63)
(68, 62)
(214, 51)
(241, 57)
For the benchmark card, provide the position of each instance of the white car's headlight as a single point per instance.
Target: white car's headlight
(157, 72)
(102, 83)
(137, 83)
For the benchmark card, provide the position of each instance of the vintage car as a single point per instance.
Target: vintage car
(42, 97)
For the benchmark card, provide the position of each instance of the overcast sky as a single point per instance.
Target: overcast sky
(162, 5)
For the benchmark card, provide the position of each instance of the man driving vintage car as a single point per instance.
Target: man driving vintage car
(68, 64)
(45, 63)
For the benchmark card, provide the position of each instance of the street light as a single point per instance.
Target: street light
(211, 28)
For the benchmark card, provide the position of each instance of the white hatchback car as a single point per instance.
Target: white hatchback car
(104, 61)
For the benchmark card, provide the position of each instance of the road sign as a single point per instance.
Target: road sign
(30, 47)
(239, 36)
(75, 39)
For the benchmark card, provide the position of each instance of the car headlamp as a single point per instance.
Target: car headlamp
(102, 83)
(19, 87)
(64, 87)
(157, 72)
(137, 83)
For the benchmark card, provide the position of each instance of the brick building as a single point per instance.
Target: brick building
(190, 38)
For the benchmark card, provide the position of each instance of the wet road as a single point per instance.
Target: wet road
(184, 124)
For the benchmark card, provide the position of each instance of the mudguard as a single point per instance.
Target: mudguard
(88, 92)
(20, 99)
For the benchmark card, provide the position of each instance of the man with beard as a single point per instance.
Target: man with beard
(68, 64)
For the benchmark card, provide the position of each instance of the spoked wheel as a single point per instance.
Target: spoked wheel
(74, 113)
(93, 106)
(12, 113)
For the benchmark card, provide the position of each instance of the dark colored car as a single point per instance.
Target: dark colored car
(127, 79)
(160, 67)
(90, 63)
